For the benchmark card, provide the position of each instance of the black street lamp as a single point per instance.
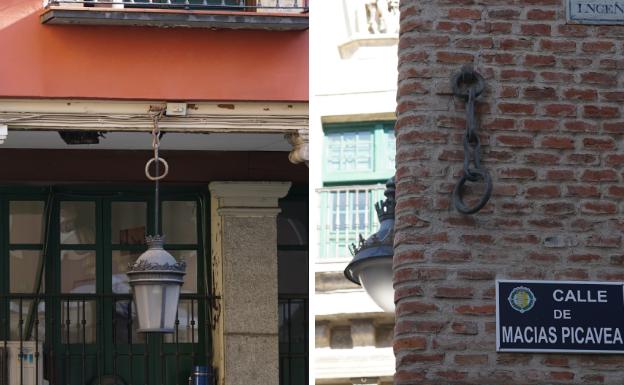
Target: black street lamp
(371, 266)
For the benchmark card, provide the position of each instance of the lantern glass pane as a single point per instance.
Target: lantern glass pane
(376, 278)
(149, 300)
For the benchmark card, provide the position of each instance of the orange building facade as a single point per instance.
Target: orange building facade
(83, 84)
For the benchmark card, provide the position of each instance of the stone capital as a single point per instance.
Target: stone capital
(248, 198)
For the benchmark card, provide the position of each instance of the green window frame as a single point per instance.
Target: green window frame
(72, 360)
(358, 159)
(345, 146)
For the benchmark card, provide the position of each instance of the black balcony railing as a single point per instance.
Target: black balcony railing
(273, 6)
(276, 15)
(71, 339)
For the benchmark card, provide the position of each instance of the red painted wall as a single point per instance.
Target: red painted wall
(54, 61)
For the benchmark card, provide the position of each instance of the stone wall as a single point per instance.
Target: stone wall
(551, 129)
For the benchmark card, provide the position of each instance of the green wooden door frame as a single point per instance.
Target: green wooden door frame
(106, 350)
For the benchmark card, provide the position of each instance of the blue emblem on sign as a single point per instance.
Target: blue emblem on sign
(521, 299)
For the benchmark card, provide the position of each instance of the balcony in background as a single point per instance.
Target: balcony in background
(216, 14)
(346, 212)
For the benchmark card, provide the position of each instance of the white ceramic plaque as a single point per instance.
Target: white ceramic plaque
(595, 11)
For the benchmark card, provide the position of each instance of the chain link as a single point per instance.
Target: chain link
(155, 146)
(471, 142)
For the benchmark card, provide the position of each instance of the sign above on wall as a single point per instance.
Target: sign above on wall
(595, 11)
(559, 316)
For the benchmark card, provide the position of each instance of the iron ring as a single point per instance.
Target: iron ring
(470, 74)
(459, 202)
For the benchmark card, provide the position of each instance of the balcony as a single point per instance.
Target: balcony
(216, 14)
(346, 212)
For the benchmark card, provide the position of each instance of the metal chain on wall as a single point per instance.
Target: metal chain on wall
(468, 85)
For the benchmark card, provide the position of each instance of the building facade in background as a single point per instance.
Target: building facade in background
(81, 84)
(550, 123)
(354, 90)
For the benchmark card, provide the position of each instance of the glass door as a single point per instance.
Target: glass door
(75, 303)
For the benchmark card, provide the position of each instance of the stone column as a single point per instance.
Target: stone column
(244, 265)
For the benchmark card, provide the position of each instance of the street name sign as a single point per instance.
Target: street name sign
(595, 11)
(559, 316)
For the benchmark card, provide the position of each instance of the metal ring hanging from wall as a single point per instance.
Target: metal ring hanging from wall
(468, 85)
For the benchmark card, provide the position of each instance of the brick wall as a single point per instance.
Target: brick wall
(551, 124)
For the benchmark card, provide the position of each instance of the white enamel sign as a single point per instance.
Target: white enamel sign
(595, 11)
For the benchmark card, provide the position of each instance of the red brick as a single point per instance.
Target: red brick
(580, 94)
(558, 142)
(575, 63)
(515, 140)
(605, 175)
(517, 75)
(452, 375)
(613, 127)
(450, 26)
(454, 292)
(599, 78)
(499, 58)
(580, 126)
(573, 30)
(540, 93)
(472, 239)
(606, 143)
(531, 60)
(599, 207)
(551, 191)
(542, 158)
(415, 307)
(517, 173)
(468, 328)
(507, 14)
(471, 359)
(451, 256)
(516, 108)
(509, 43)
(409, 343)
(615, 192)
(583, 191)
(419, 274)
(559, 175)
(557, 77)
(541, 14)
(584, 258)
(477, 310)
(482, 42)
(604, 112)
(560, 109)
(598, 47)
(464, 13)
(558, 45)
(561, 376)
(454, 57)
(535, 29)
(413, 358)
